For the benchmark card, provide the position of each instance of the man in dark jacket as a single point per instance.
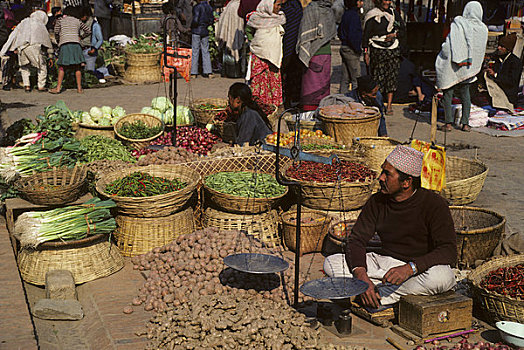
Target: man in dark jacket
(508, 68)
(291, 65)
(202, 18)
(103, 10)
(350, 34)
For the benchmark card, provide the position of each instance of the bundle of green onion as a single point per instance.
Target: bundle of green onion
(66, 224)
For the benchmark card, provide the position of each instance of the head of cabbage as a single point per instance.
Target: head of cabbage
(118, 112)
(161, 103)
(151, 111)
(106, 109)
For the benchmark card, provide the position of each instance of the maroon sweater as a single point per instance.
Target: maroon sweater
(419, 229)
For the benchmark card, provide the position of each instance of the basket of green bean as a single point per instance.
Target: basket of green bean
(149, 191)
(136, 131)
(243, 191)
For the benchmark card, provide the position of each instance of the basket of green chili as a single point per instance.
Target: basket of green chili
(243, 191)
(149, 191)
(205, 109)
(138, 130)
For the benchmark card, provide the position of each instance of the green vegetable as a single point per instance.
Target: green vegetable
(313, 146)
(99, 147)
(68, 223)
(138, 130)
(245, 184)
(145, 43)
(96, 113)
(117, 113)
(161, 103)
(106, 110)
(140, 184)
(56, 121)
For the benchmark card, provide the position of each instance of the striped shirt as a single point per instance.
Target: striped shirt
(69, 29)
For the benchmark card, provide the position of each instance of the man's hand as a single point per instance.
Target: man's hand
(91, 52)
(397, 275)
(366, 58)
(370, 297)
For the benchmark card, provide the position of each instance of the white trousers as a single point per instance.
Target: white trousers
(32, 56)
(435, 280)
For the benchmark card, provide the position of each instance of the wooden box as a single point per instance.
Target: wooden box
(425, 316)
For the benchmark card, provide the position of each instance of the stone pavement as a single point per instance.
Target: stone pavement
(16, 329)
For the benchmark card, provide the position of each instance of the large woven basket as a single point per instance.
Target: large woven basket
(311, 234)
(204, 116)
(136, 236)
(376, 149)
(263, 227)
(143, 59)
(343, 196)
(155, 206)
(87, 259)
(464, 180)
(55, 187)
(344, 129)
(142, 68)
(478, 233)
(496, 307)
(236, 204)
(148, 120)
(88, 130)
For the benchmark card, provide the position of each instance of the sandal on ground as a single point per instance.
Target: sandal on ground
(42, 90)
(466, 128)
(81, 91)
(55, 91)
(445, 127)
(27, 89)
(389, 112)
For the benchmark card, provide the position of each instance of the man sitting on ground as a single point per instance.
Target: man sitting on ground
(417, 234)
(368, 94)
(507, 69)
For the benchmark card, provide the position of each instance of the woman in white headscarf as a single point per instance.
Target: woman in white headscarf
(29, 39)
(266, 51)
(460, 60)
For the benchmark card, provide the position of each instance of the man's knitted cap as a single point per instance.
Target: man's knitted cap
(406, 159)
(508, 41)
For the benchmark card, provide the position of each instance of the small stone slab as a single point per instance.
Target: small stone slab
(53, 309)
(60, 284)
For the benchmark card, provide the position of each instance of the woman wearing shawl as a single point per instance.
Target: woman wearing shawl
(29, 38)
(317, 28)
(383, 32)
(460, 60)
(230, 35)
(266, 51)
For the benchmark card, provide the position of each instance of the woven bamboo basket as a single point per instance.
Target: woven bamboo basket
(204, 116)
(496, 307)
(155, 206)
(478, 233)
(376, 149)
(464, 180)
(87, 259)
(143, 59)
(120, 68)
(339, 231)
(344, 129)
(56, 187)
(331, 196)
(236, 204)
(225, 130)
(263, 227)
(148, 120)
(311, 234)
(135, 236)
(142, 67)
(88, 130)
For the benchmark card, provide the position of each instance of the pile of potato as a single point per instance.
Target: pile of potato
(193, 265)
(233, 322)
(102, 166)
(168, 155)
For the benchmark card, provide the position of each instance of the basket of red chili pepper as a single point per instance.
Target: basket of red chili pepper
(342, 186)
(498, 288)
(149, 191)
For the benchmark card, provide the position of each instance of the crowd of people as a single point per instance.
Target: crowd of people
(70, 37)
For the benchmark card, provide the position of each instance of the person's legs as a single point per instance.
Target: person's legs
(466, 103)
(78, 76)
(344, 81)
(60, 78)
(446, 103)
(26, 74)
(354, 68)
(42, 74)
(195, 53)
(90, 60)
(206, 58)
(382, 129)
